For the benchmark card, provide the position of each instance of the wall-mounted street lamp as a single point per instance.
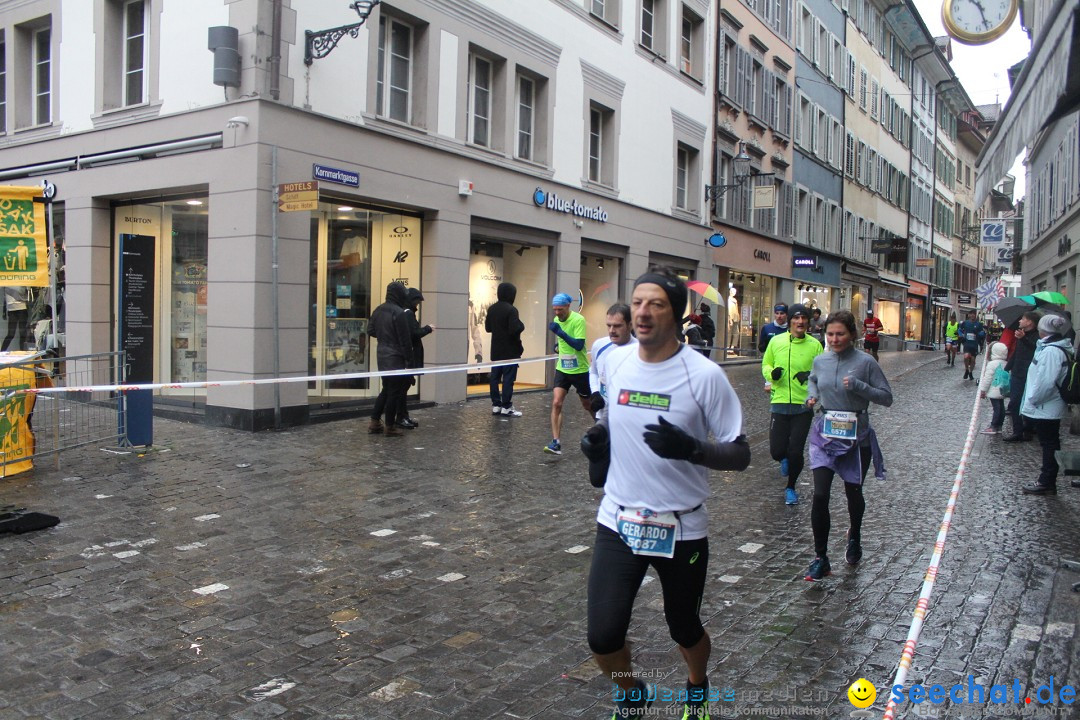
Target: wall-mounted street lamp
(740, 174)
(319, 43)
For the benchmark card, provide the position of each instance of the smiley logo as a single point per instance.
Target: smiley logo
(862, 693)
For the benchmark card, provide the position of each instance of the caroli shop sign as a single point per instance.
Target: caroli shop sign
(553, 202)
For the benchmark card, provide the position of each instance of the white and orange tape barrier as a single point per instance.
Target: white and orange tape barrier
(923, 605)
(123, 388)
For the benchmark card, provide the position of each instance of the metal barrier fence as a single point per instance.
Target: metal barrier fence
(63, 421)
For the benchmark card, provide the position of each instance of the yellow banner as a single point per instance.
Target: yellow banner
(16, 438)
(24, 255)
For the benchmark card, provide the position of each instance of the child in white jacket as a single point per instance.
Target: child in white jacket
(987, 389)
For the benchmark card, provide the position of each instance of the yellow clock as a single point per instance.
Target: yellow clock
(975, 22)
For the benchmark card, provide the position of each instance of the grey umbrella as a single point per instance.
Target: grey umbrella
(1010, 309)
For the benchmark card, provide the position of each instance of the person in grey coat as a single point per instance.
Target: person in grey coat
(1042, 405)
(842, 385)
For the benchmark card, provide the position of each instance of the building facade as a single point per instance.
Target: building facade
(455, 144)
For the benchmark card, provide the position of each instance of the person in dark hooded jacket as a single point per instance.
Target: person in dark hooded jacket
(505, 326)
(390, 327)
(1027, 338)
(417, 333)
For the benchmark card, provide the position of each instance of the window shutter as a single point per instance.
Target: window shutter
(741, 59)
(768, 113)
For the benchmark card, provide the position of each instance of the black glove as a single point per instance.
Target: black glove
(479, 358)
(554, 327)
(670, 441)
(777, 372)
(802, 376)
(596, 402)
(596, 446)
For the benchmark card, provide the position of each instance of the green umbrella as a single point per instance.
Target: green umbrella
(1051, 297)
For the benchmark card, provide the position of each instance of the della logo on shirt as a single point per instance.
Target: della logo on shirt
(647, 400)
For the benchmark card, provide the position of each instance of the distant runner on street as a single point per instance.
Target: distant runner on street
(572, 366)
(618, 327)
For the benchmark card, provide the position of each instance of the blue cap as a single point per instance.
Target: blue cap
(561, 299)
(780, 307)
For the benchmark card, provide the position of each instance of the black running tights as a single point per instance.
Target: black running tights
(819, 512)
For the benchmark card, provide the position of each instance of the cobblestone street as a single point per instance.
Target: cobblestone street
(320, 572)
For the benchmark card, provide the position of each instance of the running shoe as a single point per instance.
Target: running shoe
(790, 496)
(496, 409)
(990, 431)
(630, 709)
(854, 552)
(818, 569)
(783, 467)
(697, 703)
(511, 412)
(553, 447)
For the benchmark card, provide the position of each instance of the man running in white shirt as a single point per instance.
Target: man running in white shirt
(618, 327)
(654, 448)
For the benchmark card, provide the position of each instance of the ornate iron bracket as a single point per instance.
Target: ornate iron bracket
(319, 44)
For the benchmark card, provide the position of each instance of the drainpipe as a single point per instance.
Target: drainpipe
(275, 51)
(274, 285)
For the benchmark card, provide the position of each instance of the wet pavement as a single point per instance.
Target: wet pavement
(320, 572)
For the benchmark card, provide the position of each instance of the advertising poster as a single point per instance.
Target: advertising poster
(136, 330)
(24, 257)
(485, 274)
(16, 438)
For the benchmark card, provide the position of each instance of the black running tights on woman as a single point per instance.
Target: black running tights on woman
(819, 511)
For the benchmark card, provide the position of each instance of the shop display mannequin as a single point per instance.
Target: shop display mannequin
(733, 319)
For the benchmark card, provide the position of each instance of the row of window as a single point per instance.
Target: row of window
(31, 46)
(945, 167)
(944, 217)
(871, 170)
(745, 83)
(1056, 184)
(818, 133)
(872, 25)
(653, 27)
(775, 13)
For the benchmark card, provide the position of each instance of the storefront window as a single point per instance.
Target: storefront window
(179, 229)
(751, 298)
(860, 295)
(913, 322)
(599, 291)
(526, 267)
(816, 296)
(888, 312)
(354, 253)
(188, 311)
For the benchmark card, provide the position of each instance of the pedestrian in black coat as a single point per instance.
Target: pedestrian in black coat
(505, 326)
(708, 329)
(389, 326)
(413, 298)
(1027, 335)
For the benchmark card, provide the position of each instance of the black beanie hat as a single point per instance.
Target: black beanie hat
(673, 287)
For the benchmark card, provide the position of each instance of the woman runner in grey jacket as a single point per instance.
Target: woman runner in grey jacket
(842, 385)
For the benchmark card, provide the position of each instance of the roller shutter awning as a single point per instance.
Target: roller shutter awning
(1047, 90)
